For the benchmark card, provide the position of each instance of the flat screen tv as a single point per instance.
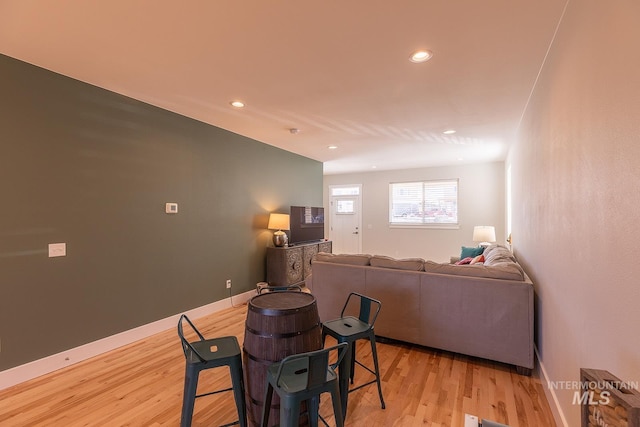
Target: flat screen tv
(306, 224)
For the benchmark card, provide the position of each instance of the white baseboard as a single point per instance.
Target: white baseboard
(28, 371)
(558, 415)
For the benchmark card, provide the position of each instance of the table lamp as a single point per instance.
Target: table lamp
(484, 235)
(279, 222)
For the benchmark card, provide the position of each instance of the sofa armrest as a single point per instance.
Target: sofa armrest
(487, 318)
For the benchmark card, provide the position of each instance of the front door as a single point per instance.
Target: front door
(345, 229)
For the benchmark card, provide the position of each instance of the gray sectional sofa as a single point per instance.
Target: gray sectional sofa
(482, 310)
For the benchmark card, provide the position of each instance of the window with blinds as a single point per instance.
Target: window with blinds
(423, 203)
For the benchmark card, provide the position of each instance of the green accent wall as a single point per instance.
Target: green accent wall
(94, 169)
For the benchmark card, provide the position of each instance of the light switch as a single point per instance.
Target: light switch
(57, 249)
(171, 208)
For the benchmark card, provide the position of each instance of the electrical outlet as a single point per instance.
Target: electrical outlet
(228, 283)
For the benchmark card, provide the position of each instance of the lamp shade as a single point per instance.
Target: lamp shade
(484, 233)
(278, 221)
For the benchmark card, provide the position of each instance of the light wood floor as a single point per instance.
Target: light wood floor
(141, 385)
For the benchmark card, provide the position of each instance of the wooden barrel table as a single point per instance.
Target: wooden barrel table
(278, 325)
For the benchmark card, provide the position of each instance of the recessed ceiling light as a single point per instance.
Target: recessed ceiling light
(374, 167)
(237, 104)
(332, 147)
(421, 56)
(449, 132)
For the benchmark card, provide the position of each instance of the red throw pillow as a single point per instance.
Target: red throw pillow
(478, 259)
(463, 261)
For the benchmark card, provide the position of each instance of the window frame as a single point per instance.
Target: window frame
(422, 224)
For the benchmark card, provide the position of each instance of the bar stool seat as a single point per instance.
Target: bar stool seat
(347, 327)
(206, 354)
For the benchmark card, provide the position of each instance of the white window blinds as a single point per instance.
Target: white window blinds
(424, 202)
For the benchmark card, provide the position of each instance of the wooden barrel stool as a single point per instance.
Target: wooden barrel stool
(278, 324)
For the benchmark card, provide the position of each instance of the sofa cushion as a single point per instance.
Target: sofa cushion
(495, 254)
(473, 252)
(351, 259)
(504, 270)
(413, 264)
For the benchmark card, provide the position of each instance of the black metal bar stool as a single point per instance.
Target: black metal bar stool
(304, 377)
(207, 354)
(349, 329)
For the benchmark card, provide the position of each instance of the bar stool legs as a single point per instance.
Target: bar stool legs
(189, 395)
(237, 384)
(207, 354)
(191, 385)
(374, 353)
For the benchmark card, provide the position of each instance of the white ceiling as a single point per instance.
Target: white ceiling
(338, 70)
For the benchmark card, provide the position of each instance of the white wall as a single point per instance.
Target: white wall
(481, 197)
(576, 176)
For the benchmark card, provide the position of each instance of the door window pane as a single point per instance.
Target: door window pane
(345, 191)
(345, 207)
